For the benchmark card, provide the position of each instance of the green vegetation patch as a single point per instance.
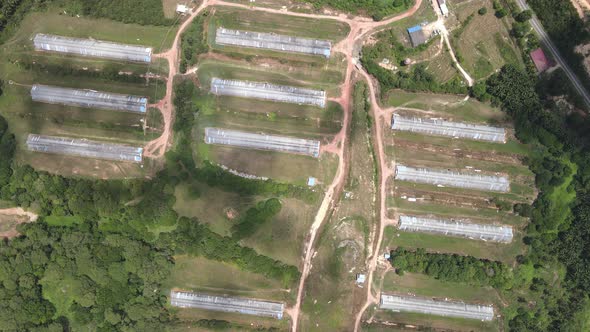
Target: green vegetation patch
(232, 18)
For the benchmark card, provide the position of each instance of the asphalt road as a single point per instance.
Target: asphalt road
(547, 42)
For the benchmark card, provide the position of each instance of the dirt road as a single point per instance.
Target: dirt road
(360, 27)
(157, 147)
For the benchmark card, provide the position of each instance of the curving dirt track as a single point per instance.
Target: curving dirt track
(157, 147)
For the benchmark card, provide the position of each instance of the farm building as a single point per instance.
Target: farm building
(417, 35)
(456, 228)
(444, 10)
(440, 127)
(262, 142)
(92, 48)
(271, 41)
(540, 60)
(268, 91)
(430, 306)
(182, 9)
(88, 98)
(452, 179)
(84, 148)
(227, 304)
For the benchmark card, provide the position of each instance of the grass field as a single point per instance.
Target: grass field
(202, 275)
(446, 244)
(423, 285)
(53, 22)
(476, 214)
(332, 298)
(268, 117)
(436, 323)
(281, 238)
(453, 107)
(223, 279)
(233, 18)
(484, 44)
(25, 116)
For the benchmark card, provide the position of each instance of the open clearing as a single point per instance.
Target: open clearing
(484, 42)
(272, 118)
(222, 279)
(332, 297)
(10, 218)
(21, 64)
(203, 275)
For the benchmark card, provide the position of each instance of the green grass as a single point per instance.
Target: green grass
(438, 323)
(485, 45)
(289, 25)
(423, 285)
(284, 236)
(212, 206)
(307, 77)
(477, 214)
(63, 220)
(437, 243)
(212, 277)
(222, 278)
(563, 196)
(436, 160)
(451, 106)
(52, 22)
(511, 147)
(25, 116)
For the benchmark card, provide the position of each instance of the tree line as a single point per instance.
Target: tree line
(194, 42)
(452, 267)
(555, 236)
(377, 9)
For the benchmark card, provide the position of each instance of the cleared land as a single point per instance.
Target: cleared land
(273, 42)
(456, 228)
(84, 148)
(319, 78)
(88, 98)
(483, 42)
(434, 307)
(92, 48)
(268, 91)
(12, 217)
(439, 127)
(262, 142)
(332, 297)
(452, 179)
(21, 63)
(227, 304)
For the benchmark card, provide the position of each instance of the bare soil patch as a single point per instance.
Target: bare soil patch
(10, 218)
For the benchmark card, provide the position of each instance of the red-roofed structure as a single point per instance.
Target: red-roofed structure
(540, 60)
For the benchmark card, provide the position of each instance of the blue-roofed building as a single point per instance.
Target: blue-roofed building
(417, 35)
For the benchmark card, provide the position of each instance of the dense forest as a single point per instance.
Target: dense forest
(456, 268)
(556, 235)
(377, 9)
